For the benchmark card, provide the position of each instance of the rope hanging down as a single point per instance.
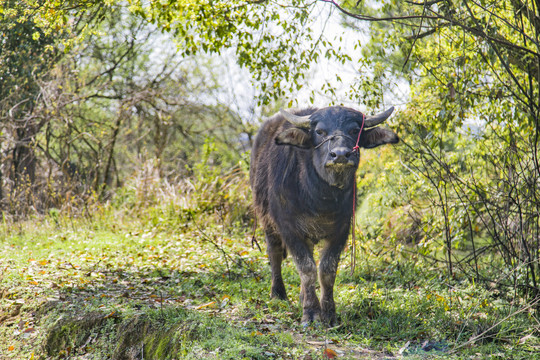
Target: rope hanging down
(356, 148)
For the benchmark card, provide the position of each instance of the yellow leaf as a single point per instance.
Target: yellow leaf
(210, 304)
(33, 282)
(11, 348)
(108, 316)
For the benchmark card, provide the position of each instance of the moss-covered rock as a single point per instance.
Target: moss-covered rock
(70, 333)
(117, 337)
(139, 338)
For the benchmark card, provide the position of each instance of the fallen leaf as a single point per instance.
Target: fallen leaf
(319, 343)
(16, 310)
(524, 339)
(210, 304)
(108, 316)
(268, 321)
(11, 348)
(224, 302)
(29, 330)
(404, 347)
(329, 353)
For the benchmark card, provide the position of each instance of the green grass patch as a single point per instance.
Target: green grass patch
(122, 285)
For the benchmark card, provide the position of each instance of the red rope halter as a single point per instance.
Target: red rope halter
(356, 148)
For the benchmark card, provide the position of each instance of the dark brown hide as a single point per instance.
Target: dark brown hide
(302, 180)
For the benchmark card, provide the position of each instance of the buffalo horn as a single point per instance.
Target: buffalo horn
(375, 120)
(298, 121)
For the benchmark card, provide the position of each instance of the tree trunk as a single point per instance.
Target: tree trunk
(24, 159)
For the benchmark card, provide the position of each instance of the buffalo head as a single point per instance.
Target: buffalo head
(331, 134)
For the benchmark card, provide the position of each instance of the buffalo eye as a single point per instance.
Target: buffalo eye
(320, 132)
(354, 132)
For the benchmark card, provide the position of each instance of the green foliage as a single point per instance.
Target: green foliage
(469, 129)
(113, 108)
(454, 207)
(22, 40)
(274, 41)
(34, 33)
(212, 191)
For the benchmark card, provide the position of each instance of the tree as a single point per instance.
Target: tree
(275, 41)
(471, 125)
(32, 32)
(113, 101)
(466, 63)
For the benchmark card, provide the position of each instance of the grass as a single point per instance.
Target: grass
(169, 281)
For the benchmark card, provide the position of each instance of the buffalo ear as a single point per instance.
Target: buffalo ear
(295, 137)
(377, 136)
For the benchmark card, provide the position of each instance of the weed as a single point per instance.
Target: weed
(158, 283)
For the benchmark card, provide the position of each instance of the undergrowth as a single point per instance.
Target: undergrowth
(168, 271)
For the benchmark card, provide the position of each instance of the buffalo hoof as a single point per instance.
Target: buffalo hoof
(277, 291)
(280, 295)
(329, 319)
(310, 316)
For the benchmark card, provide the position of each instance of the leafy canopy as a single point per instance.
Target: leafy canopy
(275, 41)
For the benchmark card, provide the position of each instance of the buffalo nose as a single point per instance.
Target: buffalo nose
(340, 154)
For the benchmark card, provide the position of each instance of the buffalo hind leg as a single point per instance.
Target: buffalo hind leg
(327, 277)
(276, 252)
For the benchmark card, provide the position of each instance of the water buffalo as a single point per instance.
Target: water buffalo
(302, 174)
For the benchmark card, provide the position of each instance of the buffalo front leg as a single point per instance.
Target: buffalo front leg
(327, 277)
(276, 251)
(307, 269)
